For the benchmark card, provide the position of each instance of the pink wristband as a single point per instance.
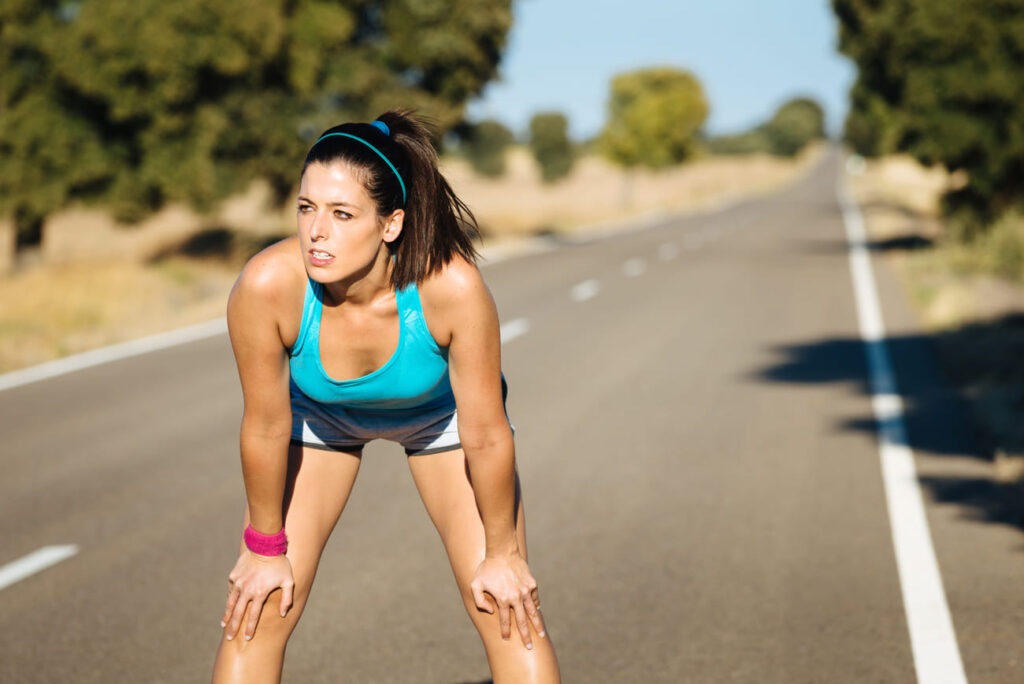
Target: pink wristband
(266, 544)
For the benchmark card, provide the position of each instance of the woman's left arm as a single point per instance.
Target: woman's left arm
(474, 357)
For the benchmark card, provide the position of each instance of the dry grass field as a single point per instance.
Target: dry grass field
(950, 284)
(598, 194)
(969, 297)
(95, 284)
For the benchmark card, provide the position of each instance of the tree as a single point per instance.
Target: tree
(549, 141)
(941, 80)
(795, 123)
(753, 141)
(484, 144)
(653, 117)
(137, 103)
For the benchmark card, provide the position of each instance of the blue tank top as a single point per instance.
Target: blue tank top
(416, 375)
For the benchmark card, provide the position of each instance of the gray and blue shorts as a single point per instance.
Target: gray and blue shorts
(328, 426)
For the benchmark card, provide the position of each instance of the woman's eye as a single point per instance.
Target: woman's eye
(342, 214)
(304, 207)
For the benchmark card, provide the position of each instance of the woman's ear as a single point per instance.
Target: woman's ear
(393, 225)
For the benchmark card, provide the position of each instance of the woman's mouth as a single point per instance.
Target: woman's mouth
(320, 258)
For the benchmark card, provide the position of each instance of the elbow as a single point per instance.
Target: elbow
(486, 439)
(276, 428)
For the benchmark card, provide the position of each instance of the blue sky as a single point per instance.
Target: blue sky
(750, 56)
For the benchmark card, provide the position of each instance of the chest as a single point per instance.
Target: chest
(357, 342)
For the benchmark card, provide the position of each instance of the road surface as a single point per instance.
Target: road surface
(700, 464)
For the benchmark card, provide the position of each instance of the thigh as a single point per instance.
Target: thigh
(316, 491)
(317, 488)
(442, 480)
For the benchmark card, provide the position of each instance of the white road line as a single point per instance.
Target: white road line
(15, 571)
(932, 637)
(513, 329)
(588, 289)
(634, 267)
(667, 251)
(103, 355)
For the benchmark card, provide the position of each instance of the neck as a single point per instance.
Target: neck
(365, 286)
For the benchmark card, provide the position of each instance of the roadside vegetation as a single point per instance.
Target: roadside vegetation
(938, 110)
(968, 295)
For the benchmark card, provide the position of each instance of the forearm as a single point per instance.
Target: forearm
(492, 470)
(264, 455)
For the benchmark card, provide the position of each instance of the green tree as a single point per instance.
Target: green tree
(941, 80)
(749, 142)
(549, 141)
(484, 144)
(795, 123)
(137, 103)
(653, 117)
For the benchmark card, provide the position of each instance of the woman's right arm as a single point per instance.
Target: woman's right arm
(262, 362)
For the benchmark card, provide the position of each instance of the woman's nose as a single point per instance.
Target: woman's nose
(316, 226)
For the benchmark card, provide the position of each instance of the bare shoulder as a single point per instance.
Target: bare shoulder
(454, 296)
(272, 272)
(271, 286)
(459, 282)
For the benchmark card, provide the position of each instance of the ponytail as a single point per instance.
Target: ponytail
(397, 164)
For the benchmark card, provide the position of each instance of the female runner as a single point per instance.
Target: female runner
(374, 322)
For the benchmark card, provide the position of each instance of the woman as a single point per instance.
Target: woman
(374, 322)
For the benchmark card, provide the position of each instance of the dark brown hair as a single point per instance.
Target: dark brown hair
(438, 225)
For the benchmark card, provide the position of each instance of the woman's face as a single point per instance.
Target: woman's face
(339, 230)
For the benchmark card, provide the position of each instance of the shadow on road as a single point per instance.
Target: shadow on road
(963, 395)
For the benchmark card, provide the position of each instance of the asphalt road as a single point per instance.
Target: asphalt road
(700, 470)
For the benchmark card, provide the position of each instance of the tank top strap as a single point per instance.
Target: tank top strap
(311, 306)
(410, 311)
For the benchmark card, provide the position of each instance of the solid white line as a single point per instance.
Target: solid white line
(15, 571)
(513, 329)
(932, 637)
(115, 352)
(634, 267)
(588, 289)
(667, 251)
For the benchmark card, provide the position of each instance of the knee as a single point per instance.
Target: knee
(271, 628)
(482, 620)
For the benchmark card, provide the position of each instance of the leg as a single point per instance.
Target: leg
(318, 485)
(443, 483)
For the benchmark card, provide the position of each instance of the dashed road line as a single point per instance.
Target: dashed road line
(932, 637)
(588, 289)
(517, 327)
(26, 566)
(634, 267)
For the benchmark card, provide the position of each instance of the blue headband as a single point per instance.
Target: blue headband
(380, 125)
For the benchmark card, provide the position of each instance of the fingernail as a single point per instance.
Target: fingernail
(223, 624)
(230, 637)
(248, 637)
(282, 613)
(542, 633)
(529, 647)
